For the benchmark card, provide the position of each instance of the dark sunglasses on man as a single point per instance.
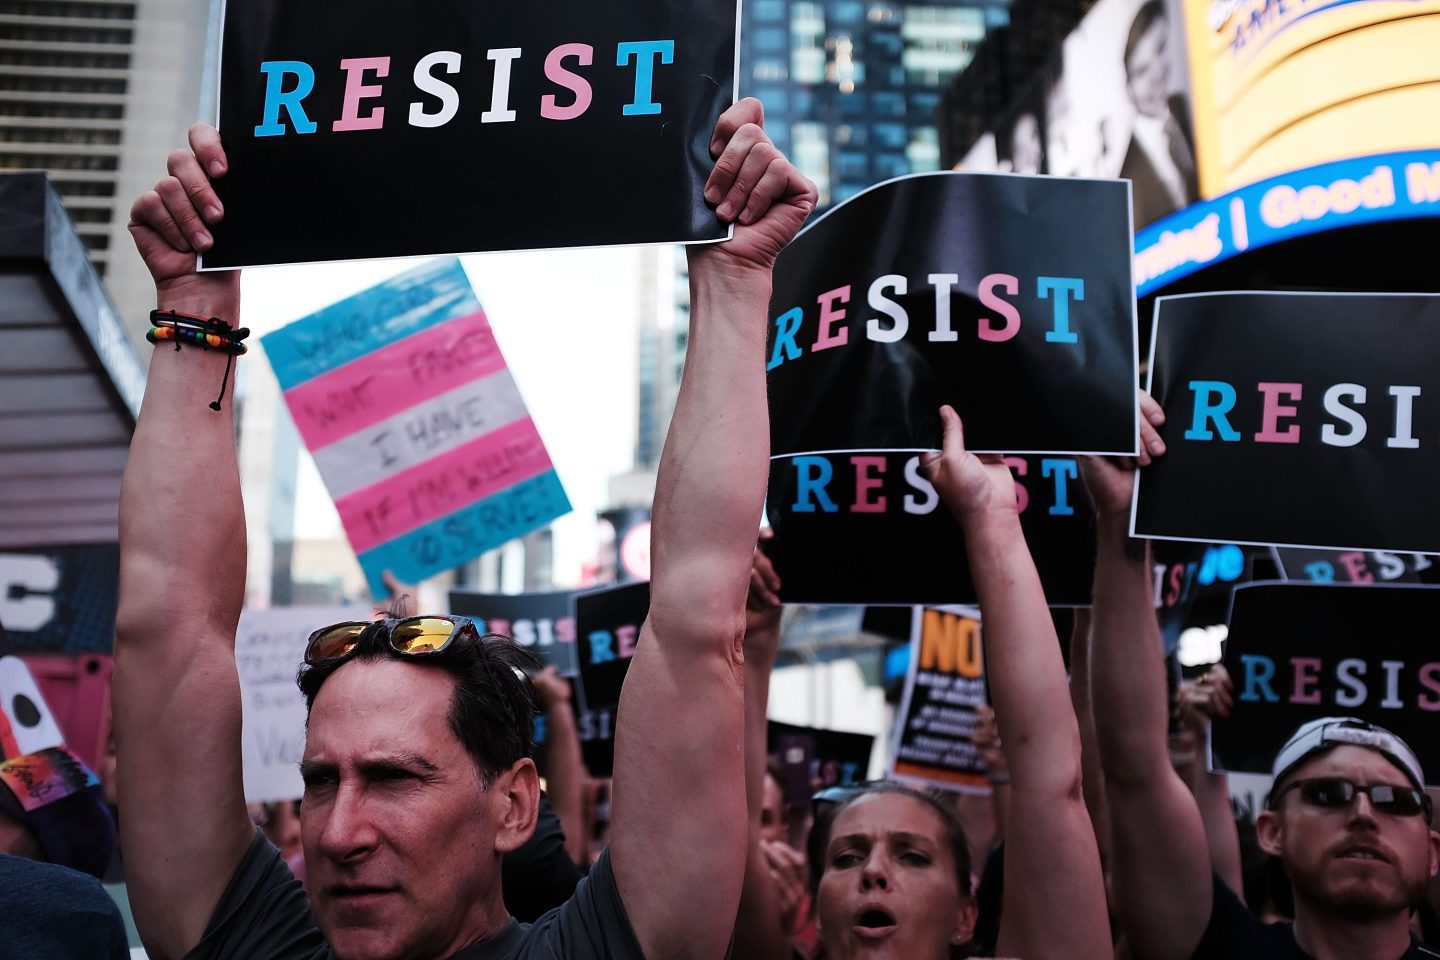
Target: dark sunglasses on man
(407, 636)
(1337, 792)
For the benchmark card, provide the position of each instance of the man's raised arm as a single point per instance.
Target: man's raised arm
(1163, 891)
(176, 692)
(679, 833)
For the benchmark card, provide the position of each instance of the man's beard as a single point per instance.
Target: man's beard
(1361, 904)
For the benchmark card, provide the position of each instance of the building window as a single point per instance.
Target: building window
(810, 149)
(939, 41)
(807, 42)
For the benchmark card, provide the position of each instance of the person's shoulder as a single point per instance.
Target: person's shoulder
(592, 923)
(19, 875)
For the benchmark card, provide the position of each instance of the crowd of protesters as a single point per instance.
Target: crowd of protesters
(424, 833)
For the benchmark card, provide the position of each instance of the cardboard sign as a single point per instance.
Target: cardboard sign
(853, 529)
(1296, 419)
(269, 648)
(1007, 297)
(1297, 652)
(936, 720)
(60, 599)
(607, 627)
(811, 759)
(539, 622)
(377, 129)
(418, 429)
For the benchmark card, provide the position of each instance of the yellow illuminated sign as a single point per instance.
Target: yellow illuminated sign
(1279, 85)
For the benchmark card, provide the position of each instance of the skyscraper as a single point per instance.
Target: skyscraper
(96, 93)
(851, 87)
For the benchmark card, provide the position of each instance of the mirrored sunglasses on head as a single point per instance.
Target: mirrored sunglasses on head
(406, 636)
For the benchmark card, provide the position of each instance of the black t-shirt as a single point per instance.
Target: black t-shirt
(539, 876)
(49, 912)
(264, 915)
(1234, 933)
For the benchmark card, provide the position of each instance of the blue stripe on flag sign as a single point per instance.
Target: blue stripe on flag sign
(432, 293)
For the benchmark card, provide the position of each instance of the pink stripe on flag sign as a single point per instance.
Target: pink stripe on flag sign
(444, 484)
(394, 378)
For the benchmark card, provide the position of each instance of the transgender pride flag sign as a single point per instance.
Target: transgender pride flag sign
(417, 427)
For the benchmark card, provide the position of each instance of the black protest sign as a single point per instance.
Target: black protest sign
(811, 759)
(1355, 566)
(869, 528)
(1296, 419)
(607, 627)
(380, 129)
(935, 725)
(60, 599)
(1193, 582)
(1299, 651)
(539, 622)
(1007, 297)
(596, 729)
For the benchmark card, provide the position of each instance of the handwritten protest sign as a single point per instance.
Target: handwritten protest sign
(418, 429)
(812, 759)
(1007, 297)
(1296, 419)
(381, 129)
(1301, 651)
(269, 648)
(936, 721)
(870, 529)
(607, 627)
(539, 622)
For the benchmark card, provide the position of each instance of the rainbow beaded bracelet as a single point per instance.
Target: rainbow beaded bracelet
(207, 333)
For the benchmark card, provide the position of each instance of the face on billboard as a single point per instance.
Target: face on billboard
(1027, 152)
(1147, 66)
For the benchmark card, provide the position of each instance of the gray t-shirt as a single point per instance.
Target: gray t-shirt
(265, 915)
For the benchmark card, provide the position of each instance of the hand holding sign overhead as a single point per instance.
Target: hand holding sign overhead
(752, 178)
(171, 225)
(970, 485)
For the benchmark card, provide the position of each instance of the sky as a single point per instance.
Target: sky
(566, 322)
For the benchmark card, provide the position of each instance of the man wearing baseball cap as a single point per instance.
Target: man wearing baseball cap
(1347, 815)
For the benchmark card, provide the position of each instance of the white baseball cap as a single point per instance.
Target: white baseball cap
(1328, 732)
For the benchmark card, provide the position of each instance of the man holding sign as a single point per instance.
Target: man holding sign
(1346, 816)
(412, 796)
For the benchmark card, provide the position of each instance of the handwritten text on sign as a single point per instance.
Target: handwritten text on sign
(416, 425)
(269, 646)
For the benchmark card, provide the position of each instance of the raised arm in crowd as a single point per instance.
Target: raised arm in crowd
(417, 768)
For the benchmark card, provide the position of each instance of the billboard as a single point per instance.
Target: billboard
(1115, 105)
(1280, 85)
(1343, 193)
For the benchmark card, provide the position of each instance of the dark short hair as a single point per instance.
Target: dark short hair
(1152, 11)
(493, 707)
(819, 840)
